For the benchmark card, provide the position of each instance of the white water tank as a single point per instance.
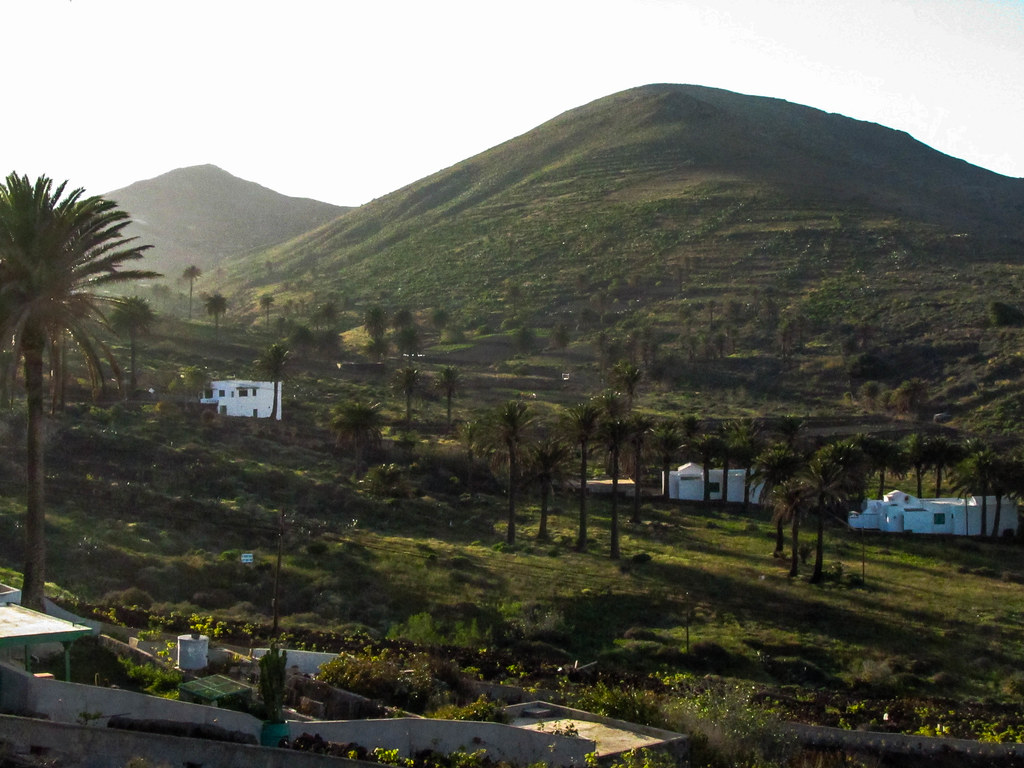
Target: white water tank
(193, 651)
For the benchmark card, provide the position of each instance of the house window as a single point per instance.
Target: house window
(208, 394)
(243, 393)
(255, 413)
(939, 518)
(223, 410)
(222, 393)
(714, 487)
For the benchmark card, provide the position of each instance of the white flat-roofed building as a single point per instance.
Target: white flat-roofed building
(238, 397)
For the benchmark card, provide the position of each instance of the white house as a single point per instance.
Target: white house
(234, 397)
(687, 484)
(899, 511)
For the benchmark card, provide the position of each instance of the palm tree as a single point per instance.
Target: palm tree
(788, 502)
(469, 435)
(547, 459)
(266, 302)
(640, 427)
(216, 305)
(134, 316)
(449, 381)
(614, 433)
(191, 273)
(915, 449)
(56, 252)
(666, 439)
(776, 464)
(579, 424)
(883, 454)
(976, 472)
(375, 320)
(942, 453)
(272, 364)
(743, 438)
(707, 445)
(360, 425)
(508, 427)
(407, 381)
(625, 377)
(833, 473)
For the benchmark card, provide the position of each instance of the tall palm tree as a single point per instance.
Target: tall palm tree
(216, 306)
(776, 464)
(942, 453)
(788, 502)
(625, 377)
(407, 382)
(133, 316)
(707, 446)
(974, 474)
(743, 437)
(834, 472)
(359, 424)
(56, 251)
(666, 440)
(375, 320)
(449, 381)
(640, 427)
(614, 433)
(191, 273)
(508, 427)
(547, 459)
(272, 365)
(266, 302)
(915, 449)
(470, 433)
(882, 455)
(579, 424)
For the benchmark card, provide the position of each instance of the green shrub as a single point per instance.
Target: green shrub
(482, 710)
(159, 681)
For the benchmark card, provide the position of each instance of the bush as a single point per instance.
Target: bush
(482, 710)
(406, 681)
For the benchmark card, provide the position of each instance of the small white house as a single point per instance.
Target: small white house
(898, 512)
(687, 484)
(234, 397)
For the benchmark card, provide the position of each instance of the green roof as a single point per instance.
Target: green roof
(215, 688)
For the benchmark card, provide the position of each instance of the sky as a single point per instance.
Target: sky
(345, 101)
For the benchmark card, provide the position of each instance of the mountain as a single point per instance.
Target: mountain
(202, 214)
(728, 230)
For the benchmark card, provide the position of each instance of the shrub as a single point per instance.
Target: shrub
(482, 710)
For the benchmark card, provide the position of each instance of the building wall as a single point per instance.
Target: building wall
(687, 484)
(257, 402)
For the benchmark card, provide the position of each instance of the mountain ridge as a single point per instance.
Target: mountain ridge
(202, 214)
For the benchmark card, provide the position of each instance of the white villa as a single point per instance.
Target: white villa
(687, 484)
(235, 397)
(899, 512)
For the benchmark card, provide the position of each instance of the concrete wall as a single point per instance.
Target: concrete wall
(91, 747)
(308, 662)
(66, 702)
(410, 735)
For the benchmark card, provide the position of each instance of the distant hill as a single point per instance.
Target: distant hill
(202, 214)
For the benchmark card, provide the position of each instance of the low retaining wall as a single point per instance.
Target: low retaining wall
(875, 743)
(411, 735)
(73, 702)
(91, 747)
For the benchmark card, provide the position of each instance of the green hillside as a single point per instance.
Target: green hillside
(712, 224)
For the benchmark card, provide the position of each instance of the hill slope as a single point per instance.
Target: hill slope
(707, 220)
(201, 214)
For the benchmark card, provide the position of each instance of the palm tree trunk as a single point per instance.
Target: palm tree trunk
(273, 404)
(581, 538)
(819, 548)
(746, 487)
(449, 421)
(996, 514)
(131, 343)
(614, 554)
(510, 535)
(938, 481)
(780, 537)
(881, 483)
(794, 560)
(35, 514)
(665, 470)
(542, 531)
(725, 481)
(636, 490)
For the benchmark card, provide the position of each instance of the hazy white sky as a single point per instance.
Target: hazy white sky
(345, 101)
